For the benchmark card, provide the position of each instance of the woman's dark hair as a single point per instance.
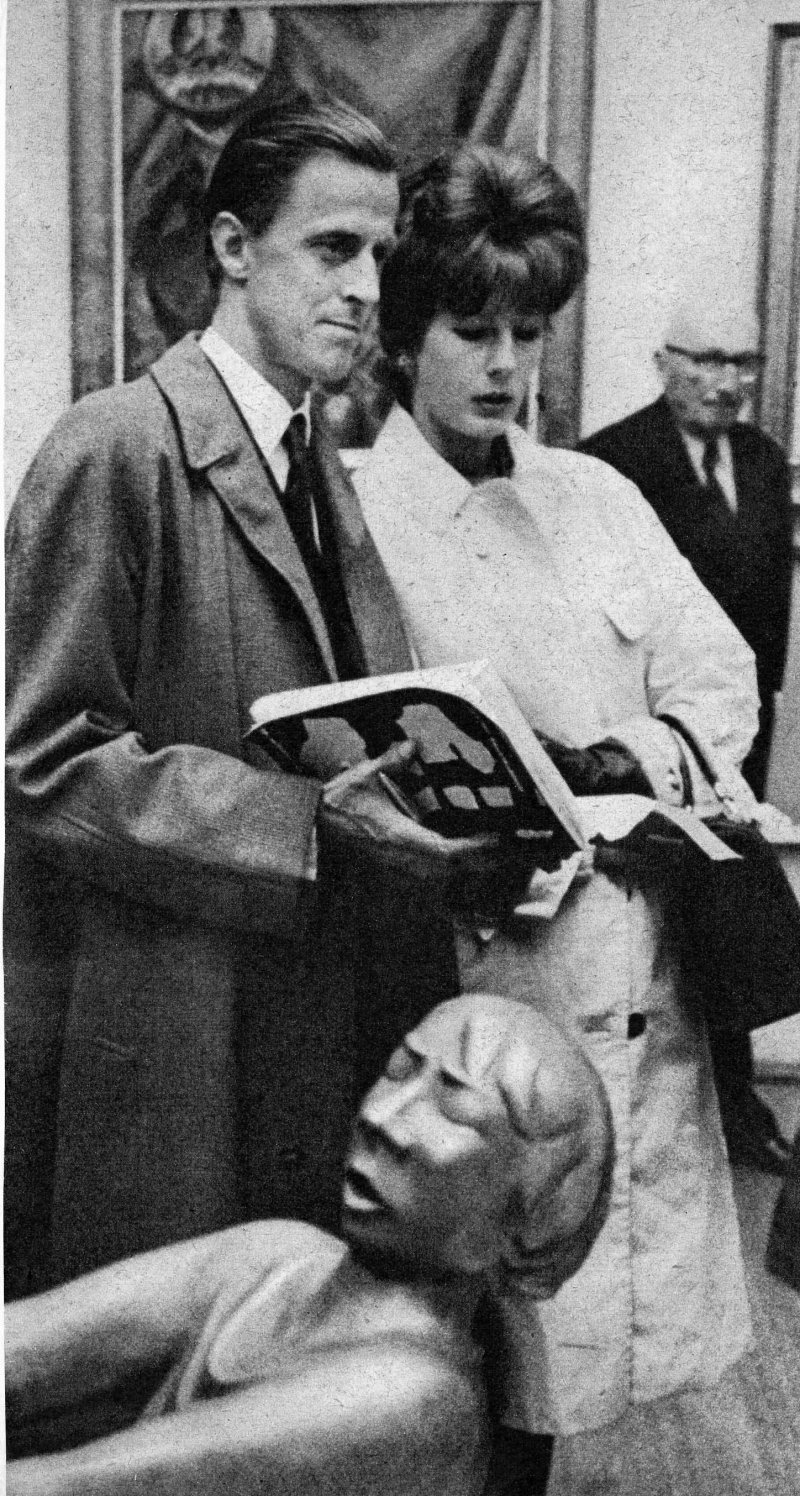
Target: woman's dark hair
(255, 170)
(479, 226)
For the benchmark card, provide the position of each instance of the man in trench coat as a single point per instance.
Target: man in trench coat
(183, 991)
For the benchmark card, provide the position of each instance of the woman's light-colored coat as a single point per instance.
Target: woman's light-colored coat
(566, 581)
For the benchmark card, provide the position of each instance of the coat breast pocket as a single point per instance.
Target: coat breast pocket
(630, 610)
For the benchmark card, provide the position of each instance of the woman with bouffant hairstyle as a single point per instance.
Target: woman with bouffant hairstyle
(483, 226)
(552, 567)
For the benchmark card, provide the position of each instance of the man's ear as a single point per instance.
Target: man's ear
(658, 360)
(231, 243)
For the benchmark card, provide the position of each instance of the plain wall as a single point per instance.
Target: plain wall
(37, 368)
(675, 183)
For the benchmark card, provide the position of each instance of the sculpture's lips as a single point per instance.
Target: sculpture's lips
(360, 1193)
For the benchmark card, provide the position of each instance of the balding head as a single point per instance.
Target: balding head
(711, 327)
(708, 361)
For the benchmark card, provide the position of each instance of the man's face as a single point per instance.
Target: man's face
(427, 1172)
(313, 274)
(706, 389)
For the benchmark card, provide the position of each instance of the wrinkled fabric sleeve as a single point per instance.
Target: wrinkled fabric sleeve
(189, 829)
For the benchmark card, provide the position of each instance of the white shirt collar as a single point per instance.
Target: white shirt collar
(441, 489)
(264, 409)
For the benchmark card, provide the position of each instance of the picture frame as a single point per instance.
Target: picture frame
(779, 395)
(155, 88)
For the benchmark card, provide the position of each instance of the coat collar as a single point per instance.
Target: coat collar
(438, 494)
(216, 442)
(211, 428)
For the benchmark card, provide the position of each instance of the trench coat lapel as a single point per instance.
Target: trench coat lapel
(373, 606)
(217, 443)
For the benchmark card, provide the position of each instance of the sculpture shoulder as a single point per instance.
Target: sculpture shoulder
(306, 1297)
(363, 1374)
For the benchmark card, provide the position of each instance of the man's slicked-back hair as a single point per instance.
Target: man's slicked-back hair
(255, 170)
(479, 226)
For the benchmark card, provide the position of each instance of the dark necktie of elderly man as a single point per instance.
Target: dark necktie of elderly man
(714, 490)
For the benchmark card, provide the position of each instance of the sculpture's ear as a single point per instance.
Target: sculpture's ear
(559, 1208)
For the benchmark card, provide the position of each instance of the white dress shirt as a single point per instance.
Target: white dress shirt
(263, 409)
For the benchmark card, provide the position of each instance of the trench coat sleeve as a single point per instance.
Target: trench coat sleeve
(190, 829)
(698, 667)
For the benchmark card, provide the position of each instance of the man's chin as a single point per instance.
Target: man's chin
(334, 365)
(722, 417)
(335, 383)
(710, 424)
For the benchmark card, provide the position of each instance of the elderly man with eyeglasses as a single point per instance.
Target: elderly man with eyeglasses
(721, 489)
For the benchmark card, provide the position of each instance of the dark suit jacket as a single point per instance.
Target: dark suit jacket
(744, 560)
(173, 976)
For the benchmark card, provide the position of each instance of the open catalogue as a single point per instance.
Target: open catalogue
(479, 765)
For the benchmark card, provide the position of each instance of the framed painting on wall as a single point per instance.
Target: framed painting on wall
(156, 89)
(779, 404)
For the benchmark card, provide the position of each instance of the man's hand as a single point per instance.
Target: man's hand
(479, 876)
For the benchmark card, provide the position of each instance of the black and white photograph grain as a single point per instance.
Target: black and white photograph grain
(401, 871)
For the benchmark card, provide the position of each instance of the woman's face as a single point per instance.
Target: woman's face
(470, 379)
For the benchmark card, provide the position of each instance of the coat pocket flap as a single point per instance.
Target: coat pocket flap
(630, 610)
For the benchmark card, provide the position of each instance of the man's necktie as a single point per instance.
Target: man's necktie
(713, 487)
(298, 502)
(301, 500)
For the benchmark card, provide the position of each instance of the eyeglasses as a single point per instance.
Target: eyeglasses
(710, 364)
